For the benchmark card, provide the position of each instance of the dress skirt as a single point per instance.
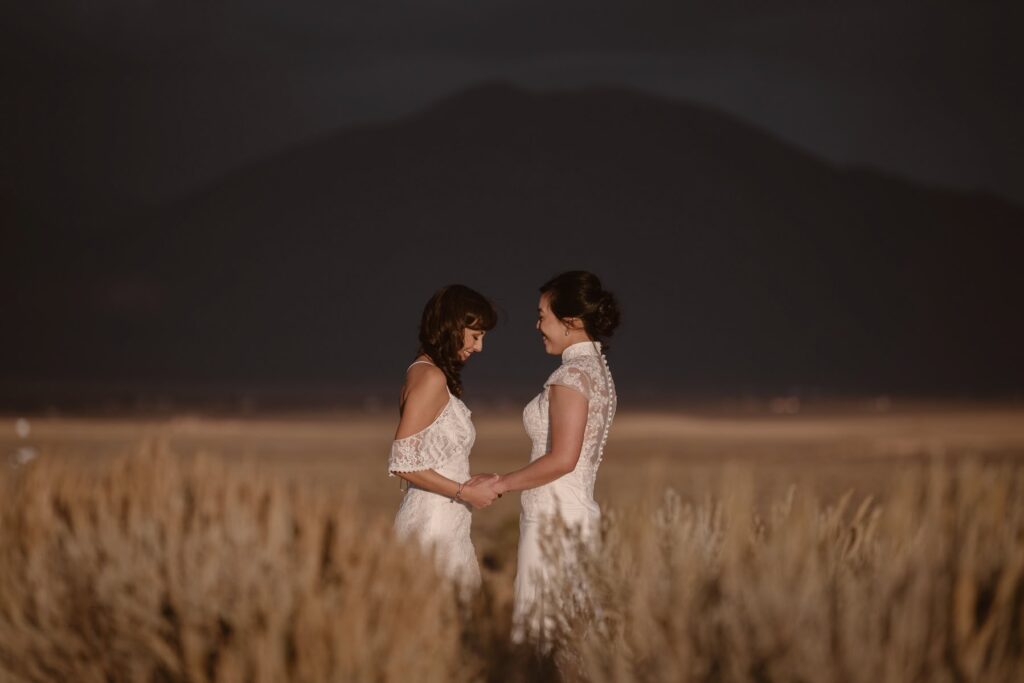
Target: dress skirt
(547, 571)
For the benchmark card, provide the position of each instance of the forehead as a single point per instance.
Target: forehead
(542, 304)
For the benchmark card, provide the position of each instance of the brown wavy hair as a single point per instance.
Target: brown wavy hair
(450, 311)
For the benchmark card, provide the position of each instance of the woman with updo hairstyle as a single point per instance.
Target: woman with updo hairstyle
(568, 424)
(435, 434)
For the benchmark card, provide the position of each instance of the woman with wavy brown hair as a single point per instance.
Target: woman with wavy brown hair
(435, 434)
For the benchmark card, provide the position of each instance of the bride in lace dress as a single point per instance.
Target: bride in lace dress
(568, 424)
(435, 435)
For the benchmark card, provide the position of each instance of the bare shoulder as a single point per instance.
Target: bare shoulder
(424, 397)
(425, 378)
(425, 387)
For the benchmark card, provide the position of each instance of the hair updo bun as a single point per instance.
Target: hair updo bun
(579, 294)
(606, 317)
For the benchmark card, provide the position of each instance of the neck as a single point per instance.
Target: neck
(575, 337)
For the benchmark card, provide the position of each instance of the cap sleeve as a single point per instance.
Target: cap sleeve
(420, 451)
(573, 377)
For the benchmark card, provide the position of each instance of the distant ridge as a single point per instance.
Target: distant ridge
(744, 263)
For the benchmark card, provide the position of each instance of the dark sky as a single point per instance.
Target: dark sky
(197, 193)
(123, 101)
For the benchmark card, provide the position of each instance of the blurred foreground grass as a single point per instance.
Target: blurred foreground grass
(219, 550)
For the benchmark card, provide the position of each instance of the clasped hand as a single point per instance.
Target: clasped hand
(480, 490)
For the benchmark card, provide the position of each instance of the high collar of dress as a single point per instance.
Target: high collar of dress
(579, 349)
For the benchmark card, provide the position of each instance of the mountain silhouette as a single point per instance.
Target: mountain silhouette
(743, 264)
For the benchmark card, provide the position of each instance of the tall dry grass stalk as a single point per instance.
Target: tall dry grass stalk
(165, 569)
(162, 568)
(928, 587)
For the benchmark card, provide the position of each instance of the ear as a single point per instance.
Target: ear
(573, 323)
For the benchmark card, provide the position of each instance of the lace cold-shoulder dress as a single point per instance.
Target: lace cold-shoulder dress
(571, 496)
(434, 520)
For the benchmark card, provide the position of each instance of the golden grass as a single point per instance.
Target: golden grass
(158, 568)
(160, 565)
(929, 587)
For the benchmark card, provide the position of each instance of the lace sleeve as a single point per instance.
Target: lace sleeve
(415, 453)
(572, 377)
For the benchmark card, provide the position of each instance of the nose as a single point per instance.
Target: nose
(537, 325)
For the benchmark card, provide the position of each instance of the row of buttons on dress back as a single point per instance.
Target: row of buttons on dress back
(609, 412)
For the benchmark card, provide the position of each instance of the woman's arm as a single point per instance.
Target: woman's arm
(567, 410)
(426, 397)
(478, 494)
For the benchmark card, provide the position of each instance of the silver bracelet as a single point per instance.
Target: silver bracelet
(458, 494)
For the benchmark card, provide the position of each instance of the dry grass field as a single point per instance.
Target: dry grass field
(841, 543)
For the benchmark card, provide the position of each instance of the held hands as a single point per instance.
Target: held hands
(480, 490)
(496, 482)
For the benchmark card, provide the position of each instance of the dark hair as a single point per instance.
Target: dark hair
(446, 315)
(578, 294)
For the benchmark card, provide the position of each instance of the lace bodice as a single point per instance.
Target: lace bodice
(583, 369)
(443, 445)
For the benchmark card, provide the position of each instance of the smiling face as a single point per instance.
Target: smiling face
(557, 334)
(472, 342)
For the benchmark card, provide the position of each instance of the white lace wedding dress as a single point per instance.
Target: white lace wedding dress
(434, 520)
(583, 369)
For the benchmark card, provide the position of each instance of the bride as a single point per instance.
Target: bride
(568, 424)
(435, 434)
